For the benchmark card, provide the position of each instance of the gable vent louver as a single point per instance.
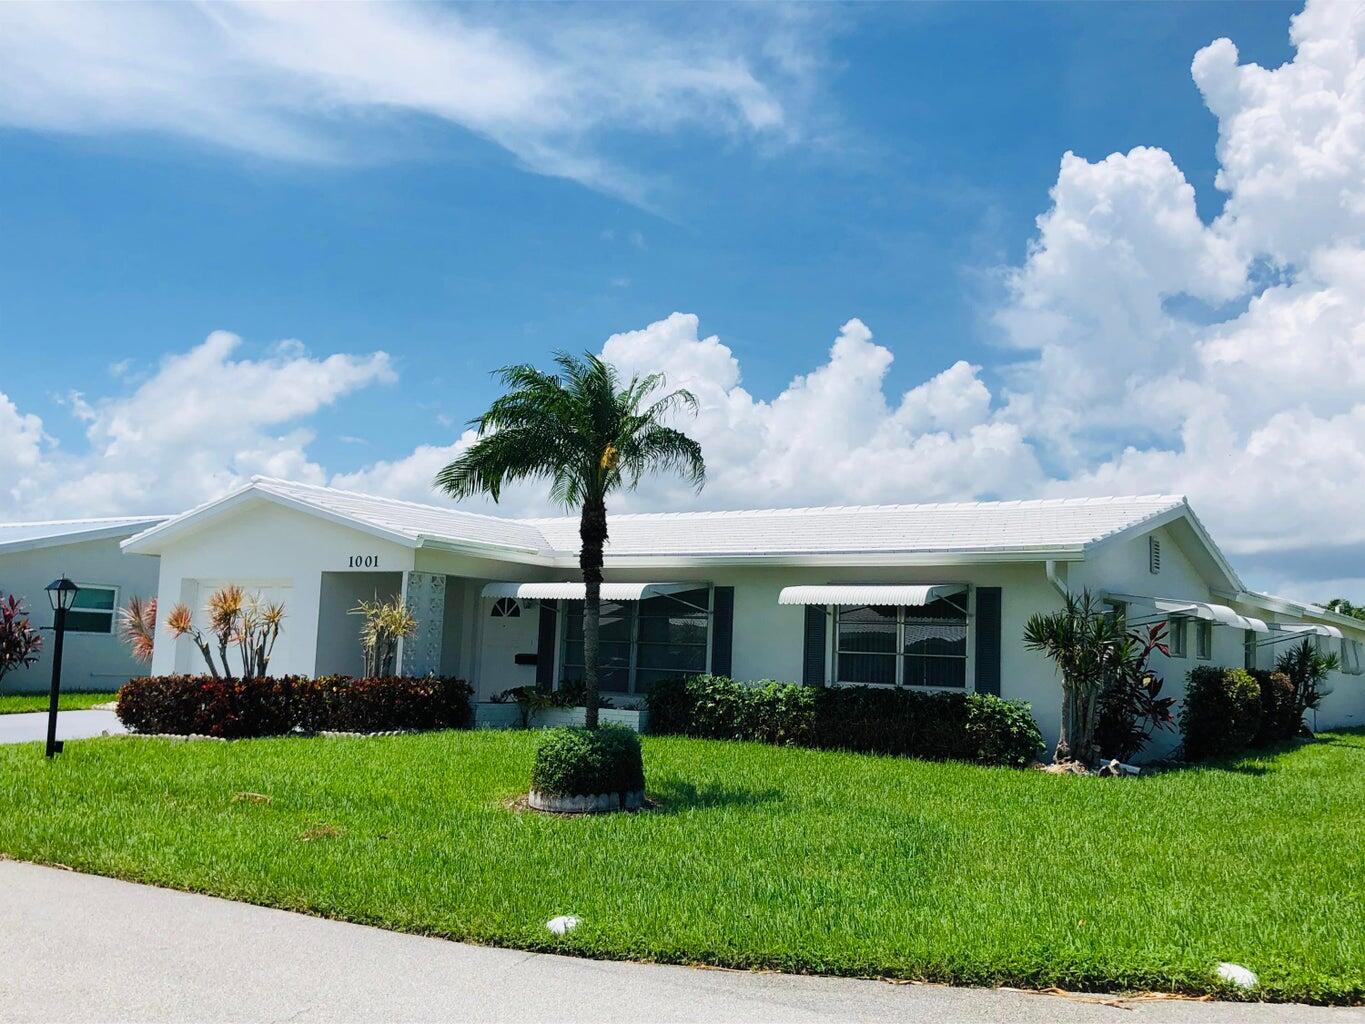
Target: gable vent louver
(1154, 555)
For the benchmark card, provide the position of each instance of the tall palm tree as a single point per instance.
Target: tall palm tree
(587, 434)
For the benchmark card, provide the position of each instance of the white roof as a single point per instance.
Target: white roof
(25, 536)
(1030, 530)
(910, 596)
(973, 526)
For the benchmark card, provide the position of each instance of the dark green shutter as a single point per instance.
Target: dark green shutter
(722, 629)
(988, 640)
(545, 646)
(813, 666)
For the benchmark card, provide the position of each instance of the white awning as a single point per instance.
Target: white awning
(1219, 613)
(1315, 628)
(578, 591)
(919, 594)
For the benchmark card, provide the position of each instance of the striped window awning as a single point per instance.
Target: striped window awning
(872, 594)
(578, 591)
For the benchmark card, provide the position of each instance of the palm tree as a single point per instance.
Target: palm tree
(1091, 648)
(589, 436)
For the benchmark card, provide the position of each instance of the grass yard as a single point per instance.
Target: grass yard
(18, 703)
(761, 857)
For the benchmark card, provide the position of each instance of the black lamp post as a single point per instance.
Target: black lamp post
(62, 594)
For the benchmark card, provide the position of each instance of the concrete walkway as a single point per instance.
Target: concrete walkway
(71, 725)
(82, 948)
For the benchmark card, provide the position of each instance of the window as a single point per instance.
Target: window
(1249, 649)
(881, 645)
(93, 610)
(640, 643)
(1175, 636)
(1351, 657)
(506, 608)
(1203, 640)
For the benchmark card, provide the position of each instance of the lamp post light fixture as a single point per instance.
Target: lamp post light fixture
(62, 595)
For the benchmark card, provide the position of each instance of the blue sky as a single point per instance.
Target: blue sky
(885, 163)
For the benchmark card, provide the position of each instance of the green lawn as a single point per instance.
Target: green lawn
(761, 856)
(17, 703)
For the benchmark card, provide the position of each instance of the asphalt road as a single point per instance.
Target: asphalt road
(81, 948)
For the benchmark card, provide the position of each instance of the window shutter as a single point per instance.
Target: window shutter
(988, 640)
(722, 629)
(813, 665)
(545, 645)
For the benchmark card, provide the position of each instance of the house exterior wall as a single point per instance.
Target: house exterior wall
(265, 545)
(273, 549)
(90, 661)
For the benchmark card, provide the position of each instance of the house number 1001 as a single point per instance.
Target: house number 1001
(364, 561)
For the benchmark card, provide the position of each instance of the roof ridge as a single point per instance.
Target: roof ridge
(1168, 500)
(380, 497)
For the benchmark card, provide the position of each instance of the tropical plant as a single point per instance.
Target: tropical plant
(1344, 607)
(137, 627)
(386, 622)
(19, 641)
(234, 620)
(588, 435)
(1307, 669)
(1091, 649)
(1131, 706)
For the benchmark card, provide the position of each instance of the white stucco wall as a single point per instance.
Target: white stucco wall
(90, 661)
(264, 547)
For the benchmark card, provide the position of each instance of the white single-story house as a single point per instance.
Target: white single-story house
(927, 595)
(32, 555)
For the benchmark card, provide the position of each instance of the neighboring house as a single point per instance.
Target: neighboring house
(929, 596)
(32, 555)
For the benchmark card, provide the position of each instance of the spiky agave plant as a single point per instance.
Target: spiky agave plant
(137, 627)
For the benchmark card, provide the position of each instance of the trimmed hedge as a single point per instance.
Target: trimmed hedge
(1221, 713)
(241, 708)
(588, 762)
(935, 726)
(1280, 718)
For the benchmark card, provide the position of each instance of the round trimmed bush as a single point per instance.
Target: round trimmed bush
(1221, 712)
(587, 762)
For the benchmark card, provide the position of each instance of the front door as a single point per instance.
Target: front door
(510, 629)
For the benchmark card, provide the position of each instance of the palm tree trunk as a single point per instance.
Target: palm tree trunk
(592, 530)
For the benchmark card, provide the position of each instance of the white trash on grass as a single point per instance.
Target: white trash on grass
(563, 924)
(1237, 975)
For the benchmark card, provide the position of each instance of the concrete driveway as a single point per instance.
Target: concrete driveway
(82, 948)
(71, 725)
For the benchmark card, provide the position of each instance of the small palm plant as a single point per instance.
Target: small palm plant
(137, 627)
(588, 434)
(234, 620)
(386, 622)
(1307, 669)
(1091, 649)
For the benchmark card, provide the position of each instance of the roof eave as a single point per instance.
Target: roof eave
(107, 533)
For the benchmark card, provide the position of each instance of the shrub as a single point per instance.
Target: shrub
(586, 762)
(935, 726)
(239, 708)
(1280, 717)
(1221, 712)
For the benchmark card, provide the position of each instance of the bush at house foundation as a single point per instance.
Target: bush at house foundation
(935, 726)
(574, 763)
(241, 708)
(1221, 713)
(1280, 717)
